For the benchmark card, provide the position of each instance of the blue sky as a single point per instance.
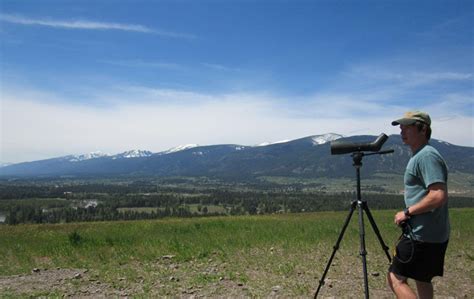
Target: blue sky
(110, 76)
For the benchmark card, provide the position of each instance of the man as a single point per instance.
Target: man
(420, 254)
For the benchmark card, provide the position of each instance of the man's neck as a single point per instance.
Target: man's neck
(416, 147)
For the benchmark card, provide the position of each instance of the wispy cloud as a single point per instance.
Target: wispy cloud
(145, 64)
(219, 67)
(78, 24)
(90, 25)
(195, 68)
(409, 78)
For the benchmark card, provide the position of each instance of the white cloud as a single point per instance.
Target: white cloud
(37, 126)
(90, 25)
(220, 67)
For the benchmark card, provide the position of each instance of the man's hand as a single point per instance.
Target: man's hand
(400, 217)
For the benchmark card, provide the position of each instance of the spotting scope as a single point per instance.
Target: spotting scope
(339, 147)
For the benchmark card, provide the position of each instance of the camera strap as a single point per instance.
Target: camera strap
(407, 230)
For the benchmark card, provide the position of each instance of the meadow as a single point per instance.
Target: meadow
(265, 255)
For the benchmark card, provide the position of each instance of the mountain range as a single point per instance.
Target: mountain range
(305, 157)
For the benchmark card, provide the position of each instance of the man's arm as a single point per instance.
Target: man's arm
(436, 197)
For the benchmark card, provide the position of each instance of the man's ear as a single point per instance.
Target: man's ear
(424, 129)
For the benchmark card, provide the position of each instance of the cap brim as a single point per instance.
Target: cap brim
(403, 121)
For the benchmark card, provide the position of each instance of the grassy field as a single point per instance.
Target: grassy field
(277, 255)
(193, 208)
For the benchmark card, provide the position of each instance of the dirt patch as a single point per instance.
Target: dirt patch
(65, 282)
(273, 273)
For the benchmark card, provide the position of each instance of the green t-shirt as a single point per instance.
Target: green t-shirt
(425, 168)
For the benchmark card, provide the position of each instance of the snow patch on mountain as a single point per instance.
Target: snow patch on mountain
(179, 148)
(316, 139)
(322, 139)
(270, 143)
(444, 142)
(133, 154)
(5, 164)
(92, 155)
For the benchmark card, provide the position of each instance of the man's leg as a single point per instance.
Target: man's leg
(425, 289)
(399, 286)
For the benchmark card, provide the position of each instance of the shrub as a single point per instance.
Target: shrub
(75, 238)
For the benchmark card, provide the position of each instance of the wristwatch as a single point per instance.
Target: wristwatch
(406, 211)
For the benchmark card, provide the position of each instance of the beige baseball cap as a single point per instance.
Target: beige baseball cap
(410, 117)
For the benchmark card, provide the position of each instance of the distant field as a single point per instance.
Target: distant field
(193, 208)
(460, 184)
(268, 255)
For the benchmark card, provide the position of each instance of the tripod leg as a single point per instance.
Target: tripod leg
(336, 247)
(376, 230)
(363, 251)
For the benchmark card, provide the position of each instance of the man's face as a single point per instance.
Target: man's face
(410, 134)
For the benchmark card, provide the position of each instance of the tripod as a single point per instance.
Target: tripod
(361, 207)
